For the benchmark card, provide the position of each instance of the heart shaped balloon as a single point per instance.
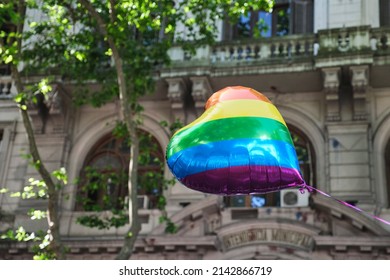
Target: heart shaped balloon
(240, 145)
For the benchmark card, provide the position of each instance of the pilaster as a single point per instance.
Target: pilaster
(349, 162)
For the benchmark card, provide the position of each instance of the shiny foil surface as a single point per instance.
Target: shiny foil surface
(240, 145)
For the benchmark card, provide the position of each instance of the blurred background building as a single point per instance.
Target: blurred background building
(325, 64)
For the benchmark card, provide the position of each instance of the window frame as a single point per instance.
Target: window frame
(230, 31)
(384, 16)
(108, 144)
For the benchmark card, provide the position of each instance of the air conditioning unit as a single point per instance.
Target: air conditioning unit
(294, 198)
(143, 202)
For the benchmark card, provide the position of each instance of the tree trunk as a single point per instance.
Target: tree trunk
(134, 224)
(126, 111)
(52, 204)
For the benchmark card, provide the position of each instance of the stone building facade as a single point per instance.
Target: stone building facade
(327, 69)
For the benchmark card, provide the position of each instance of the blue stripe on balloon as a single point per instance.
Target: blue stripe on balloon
(237, 152)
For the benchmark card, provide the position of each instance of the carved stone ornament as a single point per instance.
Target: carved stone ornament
(331, 87)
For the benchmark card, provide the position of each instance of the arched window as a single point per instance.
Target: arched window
(305, 154)
(104, 177)
(306, 158)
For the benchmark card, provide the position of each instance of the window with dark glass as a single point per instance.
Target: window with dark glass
(384, 12)
(306, 160)
(104, 177)
(287, 17)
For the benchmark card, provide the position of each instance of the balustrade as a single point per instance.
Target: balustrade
(261, 50)
(380, 39)
(267, 50)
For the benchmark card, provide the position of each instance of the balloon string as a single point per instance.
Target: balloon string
(312, 189)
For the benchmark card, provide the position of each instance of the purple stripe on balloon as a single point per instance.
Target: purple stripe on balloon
(244, 180)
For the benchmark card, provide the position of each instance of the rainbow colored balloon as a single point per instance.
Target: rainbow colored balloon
(240, 145)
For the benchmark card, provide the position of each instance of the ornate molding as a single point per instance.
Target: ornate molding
(359, 78)
(331, 79)
(177, 88)
(343, 40)
(359, 83)
(331, 88)
(201, 91)
(51, 115)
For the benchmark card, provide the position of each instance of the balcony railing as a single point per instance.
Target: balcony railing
(380, 39)
(338, 41)
(264, 49)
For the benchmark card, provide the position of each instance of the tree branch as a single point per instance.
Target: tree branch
(52, 207)
(90, 8)
(112, 11)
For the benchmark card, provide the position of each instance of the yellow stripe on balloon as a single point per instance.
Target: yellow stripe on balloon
(236, 109)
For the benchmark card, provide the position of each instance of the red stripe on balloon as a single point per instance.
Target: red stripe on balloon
(235, 93)
(246, 179)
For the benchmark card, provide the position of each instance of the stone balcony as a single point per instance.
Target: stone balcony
(294, 53)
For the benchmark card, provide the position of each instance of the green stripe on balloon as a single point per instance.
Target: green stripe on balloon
(228, 129)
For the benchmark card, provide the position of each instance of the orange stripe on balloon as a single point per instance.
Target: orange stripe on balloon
(235, 93)
(238, 108)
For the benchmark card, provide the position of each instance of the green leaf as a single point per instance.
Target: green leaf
(61, 175)
(44, 86)
(108, 52)
(4, 190)
(19, 97)
(8, 59)
(16, 194)
(37, 214)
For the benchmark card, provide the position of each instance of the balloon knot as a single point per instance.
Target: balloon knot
(306, 188)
